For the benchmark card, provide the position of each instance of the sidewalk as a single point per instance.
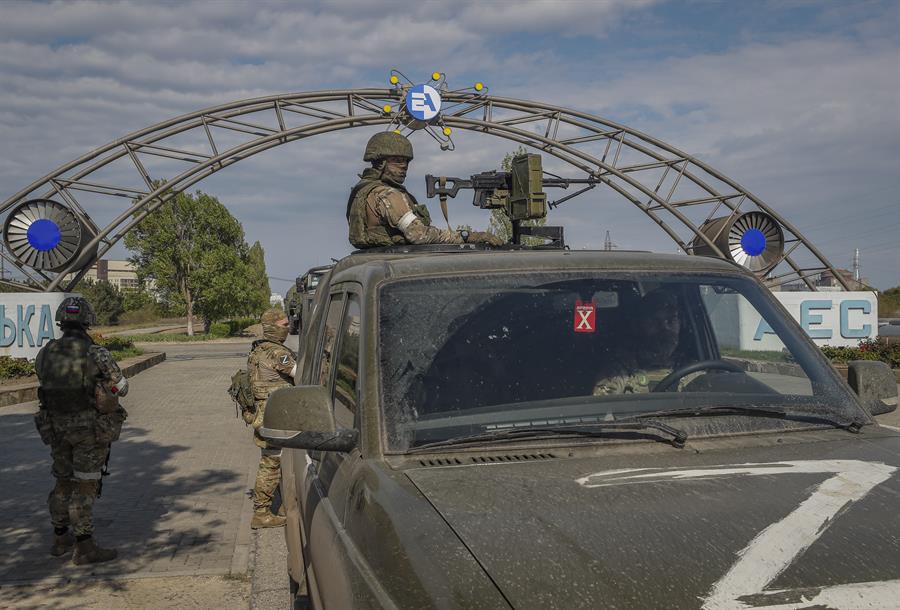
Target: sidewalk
(176, 503)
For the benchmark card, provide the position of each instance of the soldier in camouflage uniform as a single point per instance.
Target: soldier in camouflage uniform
(383, 213)
(649, 356)
(79, 417)
(272, 366)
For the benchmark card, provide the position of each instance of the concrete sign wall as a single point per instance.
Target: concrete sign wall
(829, 318)
(26, 321)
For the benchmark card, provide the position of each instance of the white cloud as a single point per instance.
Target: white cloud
(808, 123)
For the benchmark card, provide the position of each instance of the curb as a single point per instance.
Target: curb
(789, 368)
(26, 392)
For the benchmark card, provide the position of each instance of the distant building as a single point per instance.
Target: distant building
(827, 281)
(120, 274)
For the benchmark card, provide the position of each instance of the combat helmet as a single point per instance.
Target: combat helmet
(388, 144)
(75, 311)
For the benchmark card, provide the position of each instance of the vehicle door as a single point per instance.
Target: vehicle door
(329, 477)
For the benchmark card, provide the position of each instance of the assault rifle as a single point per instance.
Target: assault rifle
(519, 193)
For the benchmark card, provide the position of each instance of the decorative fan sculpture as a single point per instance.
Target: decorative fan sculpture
(44, 234)
(753, 240)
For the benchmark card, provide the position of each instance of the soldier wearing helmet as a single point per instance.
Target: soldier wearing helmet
(79, 417)
(381, 212)
(272, 366)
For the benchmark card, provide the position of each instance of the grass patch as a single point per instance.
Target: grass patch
(129, 352)
(168, 338)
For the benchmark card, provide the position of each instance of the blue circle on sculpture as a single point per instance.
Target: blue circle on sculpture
(423, 102)
(44, 235)
(753, 242)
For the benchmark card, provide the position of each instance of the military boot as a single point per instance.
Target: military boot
(265, 518)
(281, 512)
(62, 543)
(87, 551)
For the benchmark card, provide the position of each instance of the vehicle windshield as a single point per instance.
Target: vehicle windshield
(313, 280)
(466, 355)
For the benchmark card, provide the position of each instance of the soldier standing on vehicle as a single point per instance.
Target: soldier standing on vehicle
(79, 417)
(381, 212)
(271, 366)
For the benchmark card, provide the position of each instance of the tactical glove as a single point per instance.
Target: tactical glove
(483, 237)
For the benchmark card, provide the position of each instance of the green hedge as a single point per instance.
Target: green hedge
(868, 349)
(14, 368)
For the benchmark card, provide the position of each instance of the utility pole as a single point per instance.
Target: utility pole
(856, 266)
(607, 243)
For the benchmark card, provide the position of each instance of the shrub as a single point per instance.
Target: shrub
(219, 330)
(106, 300)
(14, 368)
(237, 326)
(145, 313)
(868, 349)
(114, 344)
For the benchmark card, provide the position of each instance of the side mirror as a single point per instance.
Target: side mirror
(301, 418)
(875, 384)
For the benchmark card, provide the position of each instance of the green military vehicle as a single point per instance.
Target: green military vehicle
(544, 428)
(300, 302)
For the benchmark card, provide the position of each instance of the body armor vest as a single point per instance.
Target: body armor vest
(363, 236)
(68, 374)
(264, 379)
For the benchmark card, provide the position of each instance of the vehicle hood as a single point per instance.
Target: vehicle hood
(788, 525)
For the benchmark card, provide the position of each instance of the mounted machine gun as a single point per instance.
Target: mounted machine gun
(519, 193)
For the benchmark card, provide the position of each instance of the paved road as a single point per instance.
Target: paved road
(176, 503)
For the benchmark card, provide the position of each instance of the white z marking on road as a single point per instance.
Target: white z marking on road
(775, 548)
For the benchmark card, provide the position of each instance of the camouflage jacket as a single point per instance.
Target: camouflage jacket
(270, 365)
(381, 214)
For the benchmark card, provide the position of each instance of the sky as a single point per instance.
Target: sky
(798, 101)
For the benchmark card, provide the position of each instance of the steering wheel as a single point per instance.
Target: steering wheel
(666, 383)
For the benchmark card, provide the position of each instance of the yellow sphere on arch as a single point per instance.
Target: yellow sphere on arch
(447, 131)
(479, 86)
(386, 108)
(394, 79)
(435, 76)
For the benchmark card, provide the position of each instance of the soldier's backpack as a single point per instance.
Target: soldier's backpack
(68, 374)
(242, 395)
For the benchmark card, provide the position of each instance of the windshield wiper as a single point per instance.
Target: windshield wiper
(531, 432)
(756, 411)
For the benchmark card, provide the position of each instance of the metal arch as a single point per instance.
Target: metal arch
(291, 117)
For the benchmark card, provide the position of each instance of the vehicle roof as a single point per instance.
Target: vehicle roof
(322, 269)
(368, 266)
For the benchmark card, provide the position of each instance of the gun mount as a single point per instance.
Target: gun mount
(519, 193)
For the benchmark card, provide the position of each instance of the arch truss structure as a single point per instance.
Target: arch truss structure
(138, 173)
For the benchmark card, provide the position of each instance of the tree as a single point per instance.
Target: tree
(889, 302)
(194, 250)
(499, 223)
(107, 301)
(258, 279)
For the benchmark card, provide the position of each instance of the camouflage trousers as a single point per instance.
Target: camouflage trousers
(78, 460)
(268, 476)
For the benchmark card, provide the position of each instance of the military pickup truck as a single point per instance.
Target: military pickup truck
(301, 302)
(573, 429)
